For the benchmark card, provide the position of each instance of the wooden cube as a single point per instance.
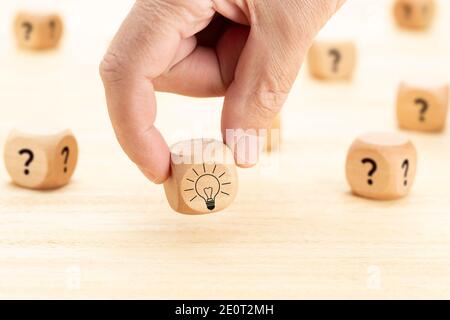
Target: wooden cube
(41, 161)
(37, 31)
(273, 139)
(381, 166)
(332, 60)
(422, 108)
(203, 178)
(414, 14)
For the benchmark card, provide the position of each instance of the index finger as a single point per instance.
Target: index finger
(149, 41)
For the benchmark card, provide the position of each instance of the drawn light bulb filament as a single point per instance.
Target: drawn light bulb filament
(210, 202)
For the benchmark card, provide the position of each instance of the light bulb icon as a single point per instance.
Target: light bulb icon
(207, 185)
(210, 192)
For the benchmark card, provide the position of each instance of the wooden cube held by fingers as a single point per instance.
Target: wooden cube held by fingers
(41, 161)
(204, 178)
(414, 14)
(381, 166)
(38, 31)
(422, 108)
(332, 60)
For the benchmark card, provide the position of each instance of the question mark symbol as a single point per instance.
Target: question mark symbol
(405, 166)
(65, 152)
(423, 110)
(336, 58)
(28, 28)
(52, 28)
(408, 10)
(372, 171)
(30, 159)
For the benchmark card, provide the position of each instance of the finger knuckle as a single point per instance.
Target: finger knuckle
(112, 68)
(268, 102)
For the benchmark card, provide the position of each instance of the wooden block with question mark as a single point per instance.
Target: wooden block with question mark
(422, 108)
(381, 166)
(414, 14)
(204, 178)
(41, 161)
(332, 60)
(37, 31)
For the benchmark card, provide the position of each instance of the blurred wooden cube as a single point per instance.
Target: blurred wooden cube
(332, 60)
(37, 31)
(422, 108)
(414, 14)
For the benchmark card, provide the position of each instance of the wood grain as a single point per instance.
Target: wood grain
(294, 231)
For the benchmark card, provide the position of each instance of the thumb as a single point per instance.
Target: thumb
(281, 33)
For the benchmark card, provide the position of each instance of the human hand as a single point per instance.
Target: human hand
(249, 51)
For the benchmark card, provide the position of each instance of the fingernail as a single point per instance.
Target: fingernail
(148, 174)
(248, 149)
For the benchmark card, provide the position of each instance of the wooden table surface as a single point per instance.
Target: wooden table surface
(294, 231)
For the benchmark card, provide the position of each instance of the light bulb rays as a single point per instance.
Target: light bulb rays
(206, 182)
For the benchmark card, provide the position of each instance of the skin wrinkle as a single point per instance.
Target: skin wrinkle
(236, 10)
(124, 61)
(224, 85)
(272, 84)
(236, 36)
(190, 12)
